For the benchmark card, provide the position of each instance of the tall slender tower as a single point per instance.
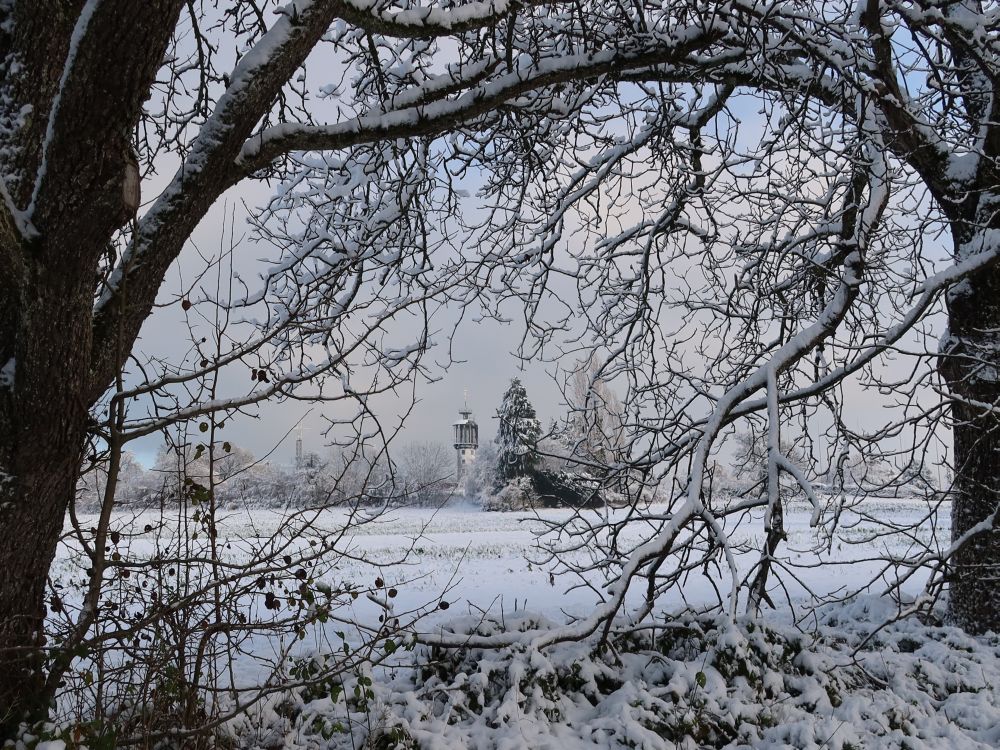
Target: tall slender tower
(298, 448)
(466, 440)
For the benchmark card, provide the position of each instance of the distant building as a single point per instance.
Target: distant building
(304, 459)
(466, 442)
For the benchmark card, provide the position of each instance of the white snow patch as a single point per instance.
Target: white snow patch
(7, 373)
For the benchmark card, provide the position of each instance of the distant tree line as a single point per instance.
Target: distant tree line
(238, 478)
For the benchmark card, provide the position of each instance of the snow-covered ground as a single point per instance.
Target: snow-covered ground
(479, 560)
(844, 677)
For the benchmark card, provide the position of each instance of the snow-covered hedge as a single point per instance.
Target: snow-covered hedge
(693, 682)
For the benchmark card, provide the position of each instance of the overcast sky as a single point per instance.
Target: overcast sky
(483, 350)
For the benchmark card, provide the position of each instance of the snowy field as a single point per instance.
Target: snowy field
(844, 677)
(482, 560)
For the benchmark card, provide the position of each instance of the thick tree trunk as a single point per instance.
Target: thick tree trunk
(67, 166)
(971, 366)
(42, 431)
(30, 528)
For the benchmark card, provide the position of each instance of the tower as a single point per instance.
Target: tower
(466, 440)
(298, 448)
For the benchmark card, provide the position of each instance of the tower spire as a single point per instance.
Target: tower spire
(466, 438)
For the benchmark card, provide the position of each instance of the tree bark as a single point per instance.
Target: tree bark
(70, 164)
(31, 528)
(44, 428)
(970, 364)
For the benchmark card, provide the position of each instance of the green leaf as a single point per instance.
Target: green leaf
(701, 679)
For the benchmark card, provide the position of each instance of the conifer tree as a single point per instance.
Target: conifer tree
(517, 435)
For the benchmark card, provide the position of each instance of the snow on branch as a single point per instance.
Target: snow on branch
(437, 117)
(14, 222)
(422, 22)
(79, 31)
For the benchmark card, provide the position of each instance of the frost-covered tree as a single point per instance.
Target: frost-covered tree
(518, 433)
(133, 479)
(478, 481)
(193, 461)
(422, 470)
(593, 430)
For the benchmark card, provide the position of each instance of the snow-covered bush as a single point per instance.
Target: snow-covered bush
(547, 489)
(689, 681)
(518, 494)
(567, 489)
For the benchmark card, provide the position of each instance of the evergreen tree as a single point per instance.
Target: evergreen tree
(517, 435)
